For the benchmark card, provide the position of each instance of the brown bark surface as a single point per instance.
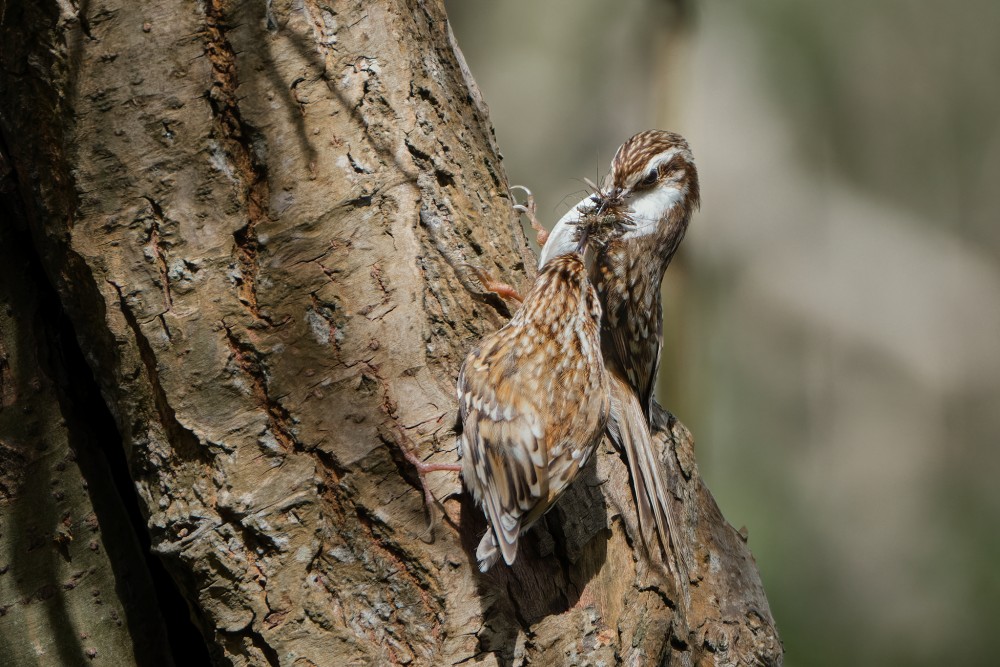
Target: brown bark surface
(261, 219)
(73, 585)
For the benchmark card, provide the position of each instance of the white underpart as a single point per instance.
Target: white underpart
(561, 238)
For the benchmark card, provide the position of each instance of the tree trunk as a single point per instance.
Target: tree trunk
(261, 219)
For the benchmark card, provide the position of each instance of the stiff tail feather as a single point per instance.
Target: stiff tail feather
(630, 432)
(487, 553)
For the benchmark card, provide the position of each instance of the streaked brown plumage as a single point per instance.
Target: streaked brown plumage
(534, 402)
(653, 185)
(658, 167)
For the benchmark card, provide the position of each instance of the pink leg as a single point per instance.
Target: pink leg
(423, 468)
(503, 289)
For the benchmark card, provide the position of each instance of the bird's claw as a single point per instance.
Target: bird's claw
(422, 468)
(528, 209)
(504, 290)
(530, 197)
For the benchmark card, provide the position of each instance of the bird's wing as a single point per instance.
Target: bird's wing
(638, 352)
(508, 462)
(587, 406)
(634, 322)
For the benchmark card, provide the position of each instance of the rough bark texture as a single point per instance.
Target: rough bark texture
(260, 219)
(73, 585)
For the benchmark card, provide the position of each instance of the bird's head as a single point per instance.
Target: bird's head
(653, 178)
(651, 190)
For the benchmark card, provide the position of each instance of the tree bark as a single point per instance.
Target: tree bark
(261, 220)
(73, 583)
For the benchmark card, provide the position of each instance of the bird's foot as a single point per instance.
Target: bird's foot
(424, 467)
(528, 208)
(504, 290)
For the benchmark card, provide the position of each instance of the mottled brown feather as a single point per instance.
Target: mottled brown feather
(534, 401)
(628, 272)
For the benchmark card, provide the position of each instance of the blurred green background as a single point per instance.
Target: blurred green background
(833, 318)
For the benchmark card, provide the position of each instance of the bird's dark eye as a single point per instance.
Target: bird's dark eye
(649, 179)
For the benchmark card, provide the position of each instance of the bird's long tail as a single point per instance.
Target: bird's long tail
(630, 432)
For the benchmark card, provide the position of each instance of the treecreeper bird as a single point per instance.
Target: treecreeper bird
(653, 185)
(534, 401)
(580, 355)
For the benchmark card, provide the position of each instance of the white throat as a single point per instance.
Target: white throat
(649, 208)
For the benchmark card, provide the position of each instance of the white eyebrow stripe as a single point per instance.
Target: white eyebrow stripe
(664, 157)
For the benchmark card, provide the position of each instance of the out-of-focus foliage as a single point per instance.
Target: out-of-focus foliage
(834, 316)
